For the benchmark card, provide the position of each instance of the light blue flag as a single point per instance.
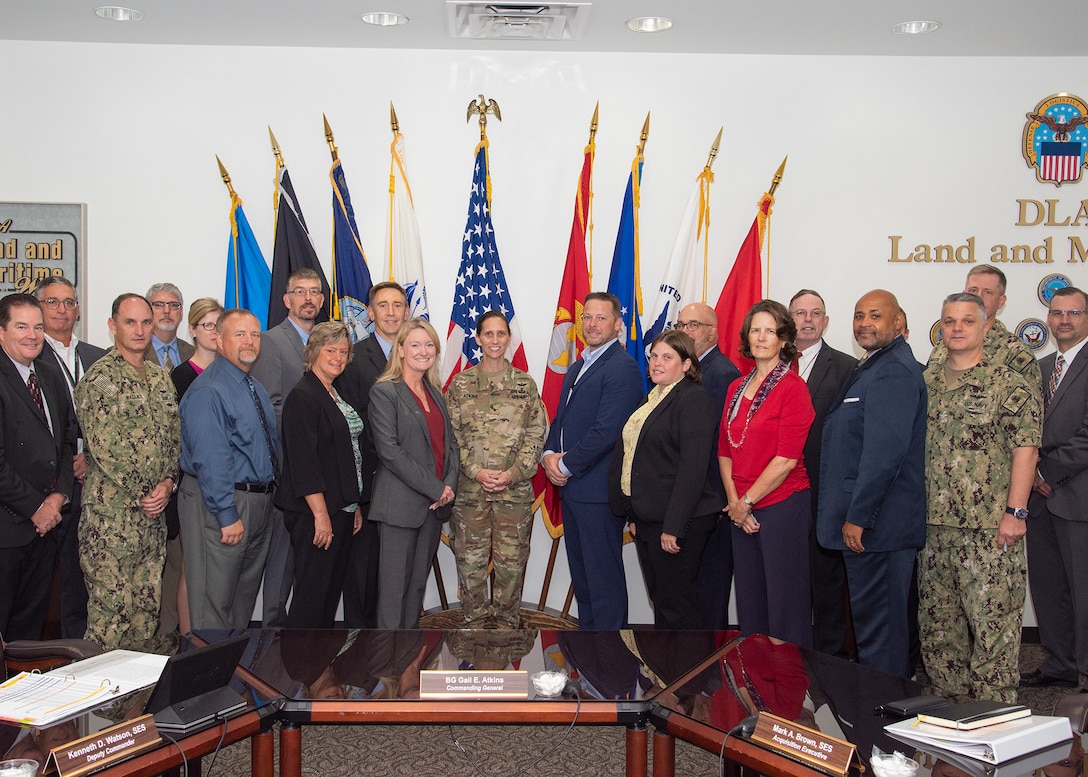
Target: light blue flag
(624, 281)
(249, 281)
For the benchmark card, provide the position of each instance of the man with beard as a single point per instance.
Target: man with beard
(230, 456)
(278, 370)
(165, 348)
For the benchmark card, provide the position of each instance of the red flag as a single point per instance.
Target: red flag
(567, 340)
(743, 288)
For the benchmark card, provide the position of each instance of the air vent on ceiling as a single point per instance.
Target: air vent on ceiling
(516, 21)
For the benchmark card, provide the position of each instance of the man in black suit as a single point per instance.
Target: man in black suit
(388, 309)
(60, 311)
(1057, 528)
(824, 370)
(716, 567)
(38, 429)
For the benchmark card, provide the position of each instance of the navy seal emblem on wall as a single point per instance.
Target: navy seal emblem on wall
(1050, 284)
(1033, 332)
(1056, 138)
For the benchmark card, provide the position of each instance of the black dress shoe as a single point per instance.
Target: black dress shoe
(1038, 679)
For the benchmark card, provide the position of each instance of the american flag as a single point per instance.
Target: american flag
(481, 284)
(1061, 161)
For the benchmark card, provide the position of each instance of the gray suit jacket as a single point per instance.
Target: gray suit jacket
(279, 367)
(1063, 456)
(185, 350)
(405, 486)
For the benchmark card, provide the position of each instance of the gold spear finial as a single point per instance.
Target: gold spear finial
(645, 134)
(393, 123)
(714, 150)
(483, 107)
(329, 139)
(225, 175)
(593, 122)
(778, 175)
(276, 148)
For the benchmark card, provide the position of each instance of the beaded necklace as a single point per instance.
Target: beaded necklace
(772, 379)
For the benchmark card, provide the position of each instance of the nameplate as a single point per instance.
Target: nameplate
(105, 748)
(804, 744)
(505, 684)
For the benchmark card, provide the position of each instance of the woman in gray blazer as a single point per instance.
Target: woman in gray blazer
(417, 471)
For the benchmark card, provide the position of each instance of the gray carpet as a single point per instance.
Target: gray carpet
(421, 751)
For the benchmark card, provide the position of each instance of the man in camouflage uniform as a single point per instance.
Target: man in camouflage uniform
(984, 428)
(1001, 346)
(500, 424)
(129, 416)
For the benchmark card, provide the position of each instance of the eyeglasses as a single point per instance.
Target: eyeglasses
(1072, 314)
(685, 325)
(300, 293)
(207, 326)
(165, 305)
(53, 302)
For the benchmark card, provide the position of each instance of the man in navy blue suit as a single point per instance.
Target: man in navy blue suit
(872, 474)
(716, 567)
(599, 392)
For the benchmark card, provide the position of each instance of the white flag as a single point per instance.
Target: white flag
(682, 282)
(403, 251)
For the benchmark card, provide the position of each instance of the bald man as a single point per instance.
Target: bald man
(716, 568)
(872, 505)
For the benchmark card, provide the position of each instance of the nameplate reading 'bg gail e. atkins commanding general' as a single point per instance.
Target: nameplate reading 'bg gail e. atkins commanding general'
(473, 684)
(804, 744)
(105, 748)
(39, 240)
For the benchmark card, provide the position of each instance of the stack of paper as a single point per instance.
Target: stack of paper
(994, 744)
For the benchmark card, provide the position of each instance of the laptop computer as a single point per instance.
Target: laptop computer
(193, 690)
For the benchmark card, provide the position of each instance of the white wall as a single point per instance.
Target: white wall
(926, 148)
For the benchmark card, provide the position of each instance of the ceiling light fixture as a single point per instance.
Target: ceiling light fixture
(914, 28)
(384, 18)
(649, 24)
(116, 13)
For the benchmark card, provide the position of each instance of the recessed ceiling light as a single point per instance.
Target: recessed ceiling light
(914, 28)
(116, 13)
(384, 18)
(649, 24)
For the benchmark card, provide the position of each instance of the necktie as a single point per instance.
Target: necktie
(36, 392)
(167, 362)
(1055, 377)
(264, 428)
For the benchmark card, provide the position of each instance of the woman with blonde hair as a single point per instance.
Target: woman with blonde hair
(417, 471)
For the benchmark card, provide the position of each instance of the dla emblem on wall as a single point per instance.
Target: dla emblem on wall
(1056, 138)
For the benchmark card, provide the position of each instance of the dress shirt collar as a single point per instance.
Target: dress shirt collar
(301, 332)
(590, 355)
(1071, 354)
(171, 347)
(808, 358)
(386, 346)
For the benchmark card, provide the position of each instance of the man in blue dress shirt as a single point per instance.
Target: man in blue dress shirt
(230, 457)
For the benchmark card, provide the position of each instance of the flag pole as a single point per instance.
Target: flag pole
(395, 126)
(707, 178)
(484, 107)
(280, 164)
(335, 307)
(233, 225)
(636, 196)
(588, 227)
(774, 185)
(329, 139)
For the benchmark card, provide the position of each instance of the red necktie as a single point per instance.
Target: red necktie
(36, 392)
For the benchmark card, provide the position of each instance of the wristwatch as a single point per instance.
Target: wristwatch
(748, 501)
(1020, 513)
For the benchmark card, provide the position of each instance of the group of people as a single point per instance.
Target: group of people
(875, 492)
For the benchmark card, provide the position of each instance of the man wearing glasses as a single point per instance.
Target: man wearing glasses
(278, 369)
(166, 349)
(1058, 522)
(60, 308)
(715, 579)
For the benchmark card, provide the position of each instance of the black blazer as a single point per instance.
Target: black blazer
(31, 458)
(367, 363)
(829, 372)
(668, 476)
(317, 454)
